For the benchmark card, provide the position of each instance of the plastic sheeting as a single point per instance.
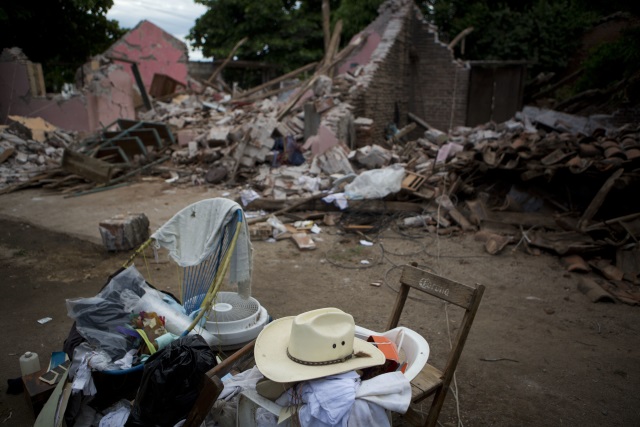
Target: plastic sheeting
(375, 184)
(102, 320)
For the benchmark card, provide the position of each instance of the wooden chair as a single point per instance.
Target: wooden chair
(432, 381)
(212, 385)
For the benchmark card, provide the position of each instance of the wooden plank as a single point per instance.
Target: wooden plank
(286, 208)
(219, 69)
(356, 227)
(524, 219)
(326, 24)
(143, 91)
(454, 357)
(597, 201)
(607, 223)
(293, 73)
(403, 132)
(339, 57)
(231, 362)
(42, 90)
(401, 298)
(87, 167)
(419, 121)
(374, 206)
(460, 219)
(425, 383)
(333, 47)
(448, 290)
(266, 94)
(31, 182)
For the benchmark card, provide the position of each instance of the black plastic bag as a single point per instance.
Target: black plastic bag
(171, 382)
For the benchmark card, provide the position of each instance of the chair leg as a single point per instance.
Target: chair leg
(412, 417)
(436, 406)
(211, 389)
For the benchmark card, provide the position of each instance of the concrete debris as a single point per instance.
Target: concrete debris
(124, 232)
(23, 159)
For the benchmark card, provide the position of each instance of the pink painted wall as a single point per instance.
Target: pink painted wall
(109, 99)
(362, 55)
(15, 99)
(155, 51)
(103, 100)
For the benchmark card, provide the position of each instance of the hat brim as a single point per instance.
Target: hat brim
(270, 353)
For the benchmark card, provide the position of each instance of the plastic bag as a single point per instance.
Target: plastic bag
(375, 184)
(171, 382)
(103, 320)
(99, 318)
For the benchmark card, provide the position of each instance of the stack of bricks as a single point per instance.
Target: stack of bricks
(124, 232)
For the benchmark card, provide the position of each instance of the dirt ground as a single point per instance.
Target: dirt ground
(539, 352)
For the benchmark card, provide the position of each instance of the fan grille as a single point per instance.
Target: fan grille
(229, 307)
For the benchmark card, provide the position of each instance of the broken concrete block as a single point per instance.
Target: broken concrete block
(124, 232)
(333, 161)
(193, 148)
(185, 136)
(219, 134)
(22, 158)
(252, 154)
(260, 231)
(435, 136)
(373, 156)
(216, 175)
(322, 86)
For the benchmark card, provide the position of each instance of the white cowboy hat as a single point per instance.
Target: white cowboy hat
(311, 345)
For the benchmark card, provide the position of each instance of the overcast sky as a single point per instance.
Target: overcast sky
(175, 17)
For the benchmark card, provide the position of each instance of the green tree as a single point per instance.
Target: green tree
(286, 33)
(612, 62)
(60, 34)
(281, 32)
(355, 15)
(545, 32)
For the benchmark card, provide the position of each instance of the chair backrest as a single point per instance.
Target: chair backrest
(455, 293)
(198, 279)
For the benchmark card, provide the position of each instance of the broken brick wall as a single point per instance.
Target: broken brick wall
(17, 99)
(155, 51)
(407, 70)
(110, 96)
(107, 95)
(438, 84)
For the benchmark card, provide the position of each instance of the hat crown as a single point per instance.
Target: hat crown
(322, 335)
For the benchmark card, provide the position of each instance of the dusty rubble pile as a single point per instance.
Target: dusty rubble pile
(540, 181)
(26, 155)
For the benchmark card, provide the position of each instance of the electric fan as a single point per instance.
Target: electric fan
(234, 320)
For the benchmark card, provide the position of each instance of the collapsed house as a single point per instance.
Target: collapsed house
(385, 125)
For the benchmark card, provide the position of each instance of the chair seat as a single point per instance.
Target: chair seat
(425, 383)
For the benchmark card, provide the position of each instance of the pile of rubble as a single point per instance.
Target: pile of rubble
(30, 151)
(538, 181)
